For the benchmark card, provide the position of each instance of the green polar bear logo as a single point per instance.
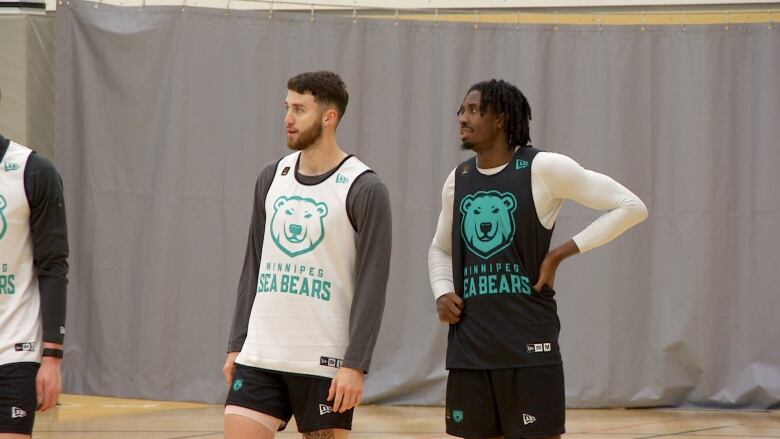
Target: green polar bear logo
(488, 224)
(297, 226)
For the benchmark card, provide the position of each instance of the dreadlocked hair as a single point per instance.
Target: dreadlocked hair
(501, 97)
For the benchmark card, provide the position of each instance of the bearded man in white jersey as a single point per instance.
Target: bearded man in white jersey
(312, 290)
(492, 270)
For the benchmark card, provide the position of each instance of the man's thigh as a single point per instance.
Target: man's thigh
(531, 401)
(471, 410)
(260, 391)
(313, 412)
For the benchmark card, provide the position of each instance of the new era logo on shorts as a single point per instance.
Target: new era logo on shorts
(325, 409)
(16, 412)
(528, 419)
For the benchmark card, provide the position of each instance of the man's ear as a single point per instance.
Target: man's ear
(501, 120)
(330, 117)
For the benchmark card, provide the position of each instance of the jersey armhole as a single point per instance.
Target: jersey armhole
(276, 167)
(349, 192)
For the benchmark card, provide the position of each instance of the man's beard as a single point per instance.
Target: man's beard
(467, 146)
(306, 137)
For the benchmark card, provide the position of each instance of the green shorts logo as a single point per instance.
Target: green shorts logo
(3, 222)
(297, 226)
(238, 384)
(457, 415)
(488, 224)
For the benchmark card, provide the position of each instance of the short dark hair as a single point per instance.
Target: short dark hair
(499, 96)
(326, 87)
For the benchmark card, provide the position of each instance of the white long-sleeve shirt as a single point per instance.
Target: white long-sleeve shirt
(554, 178)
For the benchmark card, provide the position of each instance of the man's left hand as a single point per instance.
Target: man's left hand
(346, 389)
(48, 383)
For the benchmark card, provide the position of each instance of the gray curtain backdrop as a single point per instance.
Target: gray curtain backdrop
(165, 117)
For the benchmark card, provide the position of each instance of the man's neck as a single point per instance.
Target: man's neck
(320, 157)
(495, 156)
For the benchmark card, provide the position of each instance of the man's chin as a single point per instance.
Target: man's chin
(295, 146)
(467, 146)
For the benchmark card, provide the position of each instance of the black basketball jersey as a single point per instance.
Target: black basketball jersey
(498, 246)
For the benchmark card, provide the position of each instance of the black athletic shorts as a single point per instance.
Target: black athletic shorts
(526, 402)
(283, 395)
(17, 397)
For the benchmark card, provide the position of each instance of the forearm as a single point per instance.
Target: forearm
(244, 301)
(247, 286)
(440, 270)
(53, 306)
(363, 331)
(563, 251)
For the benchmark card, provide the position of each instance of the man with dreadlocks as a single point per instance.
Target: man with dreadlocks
(492, 272)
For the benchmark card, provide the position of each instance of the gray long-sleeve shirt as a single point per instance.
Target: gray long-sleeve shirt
(368, 206)
(49, 231)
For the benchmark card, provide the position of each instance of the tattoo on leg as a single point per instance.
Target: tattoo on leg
(320, 434)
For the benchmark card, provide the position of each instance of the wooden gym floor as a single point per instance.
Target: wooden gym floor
(91, 417)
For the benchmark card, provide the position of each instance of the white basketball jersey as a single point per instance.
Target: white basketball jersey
(20, 314)
(300, 318)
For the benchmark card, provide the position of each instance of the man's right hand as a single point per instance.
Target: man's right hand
(230, 367)
(450, 307)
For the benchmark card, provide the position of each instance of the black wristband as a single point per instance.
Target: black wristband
(51, 352)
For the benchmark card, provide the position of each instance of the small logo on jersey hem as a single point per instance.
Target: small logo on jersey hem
(528, 419)
(325, 409)
(539, 347)
(16, 412)
(11, 167)
(28, 346)
(331, 362)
